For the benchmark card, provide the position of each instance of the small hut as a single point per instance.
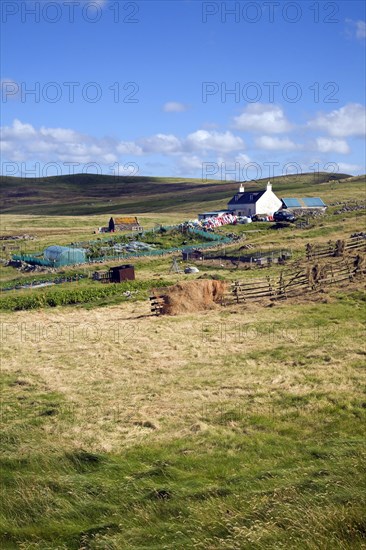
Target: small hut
(122, 273)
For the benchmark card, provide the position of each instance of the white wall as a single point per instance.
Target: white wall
(268, 203)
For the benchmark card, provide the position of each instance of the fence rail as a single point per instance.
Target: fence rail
(297, 281)
(287, 284)
(335, 249)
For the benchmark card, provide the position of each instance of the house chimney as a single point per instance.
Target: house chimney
(269, 186)
(241, 188)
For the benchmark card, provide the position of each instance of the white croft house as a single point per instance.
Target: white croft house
(250, 203)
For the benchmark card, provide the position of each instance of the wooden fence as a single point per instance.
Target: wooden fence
(288, 283)
(335, 249)
(297, 281)
(252, 289)
(356, 243)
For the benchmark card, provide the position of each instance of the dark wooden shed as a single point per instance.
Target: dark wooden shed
(122, 273)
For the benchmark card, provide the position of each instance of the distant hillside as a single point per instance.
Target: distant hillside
(87, 194)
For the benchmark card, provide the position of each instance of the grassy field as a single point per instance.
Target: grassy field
(245, 433)
(237, 428)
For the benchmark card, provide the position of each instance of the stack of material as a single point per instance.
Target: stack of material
(188, 297)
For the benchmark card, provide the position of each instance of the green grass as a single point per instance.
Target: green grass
(267, 491)
(242, 428)
(278, 471)
(80, 292)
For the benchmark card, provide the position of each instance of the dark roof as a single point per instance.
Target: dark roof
(248, 197)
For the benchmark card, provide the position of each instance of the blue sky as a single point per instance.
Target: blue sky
(230, 90)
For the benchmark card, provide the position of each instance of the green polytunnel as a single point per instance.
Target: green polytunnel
(64, 255)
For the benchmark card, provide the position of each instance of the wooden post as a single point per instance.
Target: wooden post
(308, 249)
(281, 286)
(270, 287)
(350, 271)
(235, 290)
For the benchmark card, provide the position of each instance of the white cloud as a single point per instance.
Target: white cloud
(23, 142)
(18, 130)
(346, 168)
(59, 134)
(128, 148)
(346, 121)
(242, 158)
(161, 143)
(189, 165)
(175, 107)
(203, 140)
(199, 141)
(258, 117)
(224, 167)
(271, 143)
(356, 28)
(329, 145)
